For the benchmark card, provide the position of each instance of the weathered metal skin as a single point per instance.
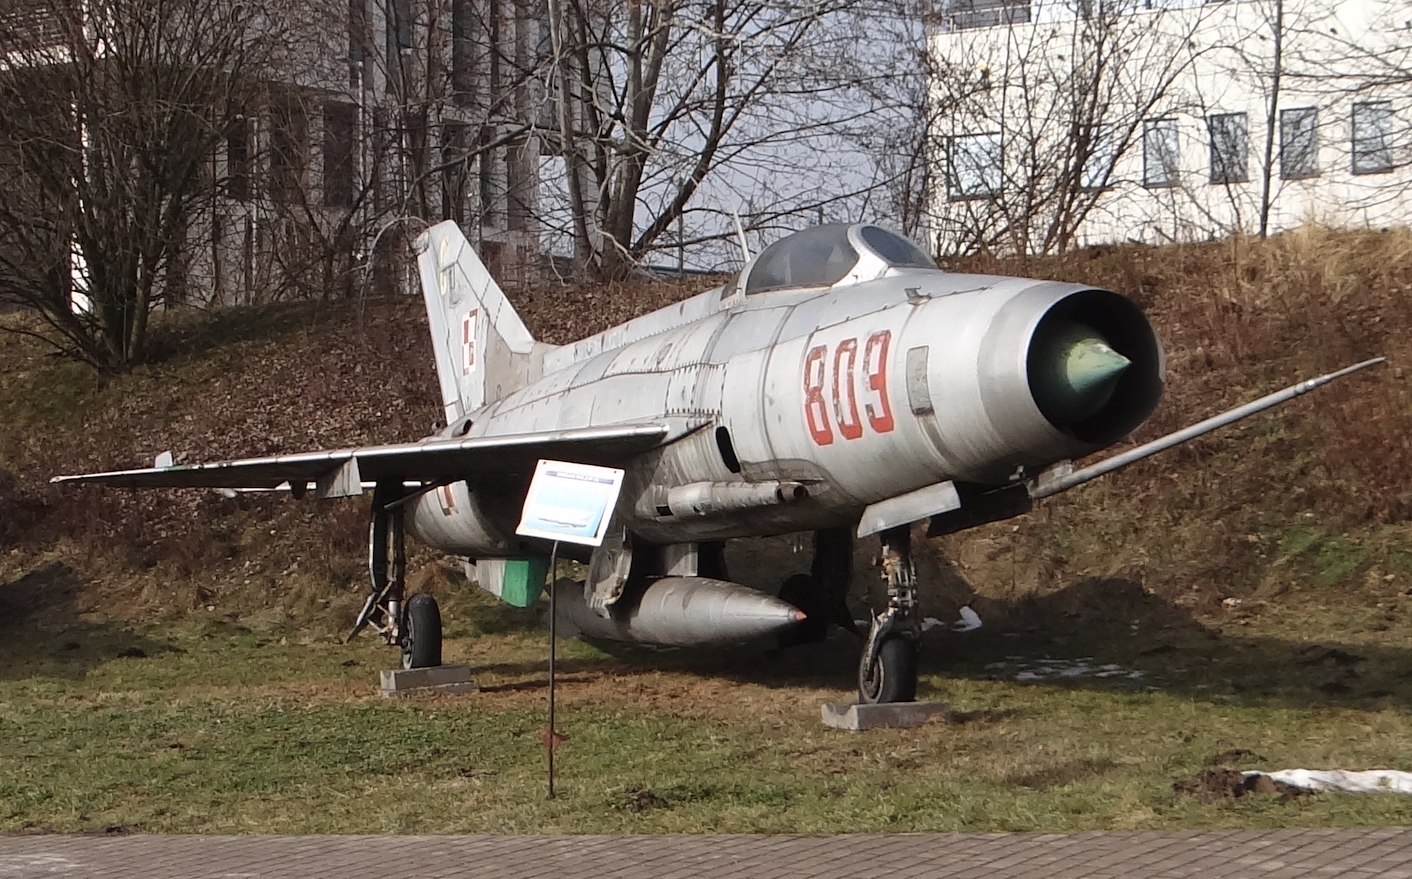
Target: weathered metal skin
(454, 519)
(678, 611)
(858, 393)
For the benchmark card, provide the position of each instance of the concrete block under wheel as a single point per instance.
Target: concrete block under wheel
(896, 715)
(437, 679)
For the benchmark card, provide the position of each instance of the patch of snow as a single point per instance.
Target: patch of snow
(1369, 781)
(969, 622)
(1029, 671)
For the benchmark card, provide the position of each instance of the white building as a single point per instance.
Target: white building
(1067, 122)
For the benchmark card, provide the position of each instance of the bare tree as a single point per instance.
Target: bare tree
(112, 109)
(672, 115)
(437, 121)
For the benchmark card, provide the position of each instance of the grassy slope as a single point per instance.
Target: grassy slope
(1258, 578)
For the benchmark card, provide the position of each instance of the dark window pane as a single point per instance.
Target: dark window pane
(340, 148)
(289, 150)
(238, 159)
(1299, 143)
(1372, 137)
(1160, 152)
(1230, 147)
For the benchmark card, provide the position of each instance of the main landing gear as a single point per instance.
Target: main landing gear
(887, 670)
(822, 593)
(414, 626)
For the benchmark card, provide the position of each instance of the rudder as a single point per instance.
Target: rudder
(483, 349)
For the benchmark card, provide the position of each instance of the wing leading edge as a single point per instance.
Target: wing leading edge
(341, 471)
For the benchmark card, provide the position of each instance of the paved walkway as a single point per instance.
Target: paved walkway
(1272, 854)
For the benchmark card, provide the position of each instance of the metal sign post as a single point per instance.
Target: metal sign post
(566, 502)
(553, 741)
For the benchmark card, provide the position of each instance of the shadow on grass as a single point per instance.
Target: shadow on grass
(1058, 641)
(1066, 640)
(42, 634)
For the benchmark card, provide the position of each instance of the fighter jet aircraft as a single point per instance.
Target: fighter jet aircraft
(840, 383)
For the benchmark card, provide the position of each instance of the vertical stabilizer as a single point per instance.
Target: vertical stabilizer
(483, 349)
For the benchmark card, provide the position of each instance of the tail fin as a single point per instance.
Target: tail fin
(483, 349)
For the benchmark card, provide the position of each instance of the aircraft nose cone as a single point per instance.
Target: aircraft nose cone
(1073, 372)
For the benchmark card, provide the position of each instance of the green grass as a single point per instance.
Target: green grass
(221, 728)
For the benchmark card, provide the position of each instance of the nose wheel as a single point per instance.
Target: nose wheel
(892, 677)
(887, 670)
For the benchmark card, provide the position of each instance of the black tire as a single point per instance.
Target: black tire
(801, 591)
(893, 678)
(421, 632)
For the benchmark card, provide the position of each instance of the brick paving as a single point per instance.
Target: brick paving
(1270, 854)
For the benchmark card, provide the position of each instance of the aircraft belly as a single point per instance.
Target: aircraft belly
(759, 522)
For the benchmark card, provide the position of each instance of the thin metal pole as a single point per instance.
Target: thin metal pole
(1108, 465)
(553, 615)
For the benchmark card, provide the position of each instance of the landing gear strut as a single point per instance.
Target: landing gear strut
(416, 625)
(822, 593)
(887, 671)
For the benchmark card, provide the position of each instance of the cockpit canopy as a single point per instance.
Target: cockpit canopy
(826, 255)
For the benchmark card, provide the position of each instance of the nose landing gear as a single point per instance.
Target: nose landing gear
(887, 670)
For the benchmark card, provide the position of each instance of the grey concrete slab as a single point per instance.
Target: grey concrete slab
(451, 679)
(891, 715)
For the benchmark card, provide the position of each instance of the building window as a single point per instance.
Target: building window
(340, 149)
(973, 166)
(1372, 137)
(399, 40)
(1230, 147)
(238, 159)
(1160, 152)
(491, 178)
(289, 150)
(455, 171)
(959, 15)
(465, 27)
(1299, 143)
(1098, 165)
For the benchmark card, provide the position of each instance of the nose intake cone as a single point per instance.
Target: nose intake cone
(1073, 372)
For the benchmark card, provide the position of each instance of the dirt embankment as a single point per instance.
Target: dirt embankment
(1309, 499)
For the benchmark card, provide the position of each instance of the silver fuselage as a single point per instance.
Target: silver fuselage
(845, 396)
